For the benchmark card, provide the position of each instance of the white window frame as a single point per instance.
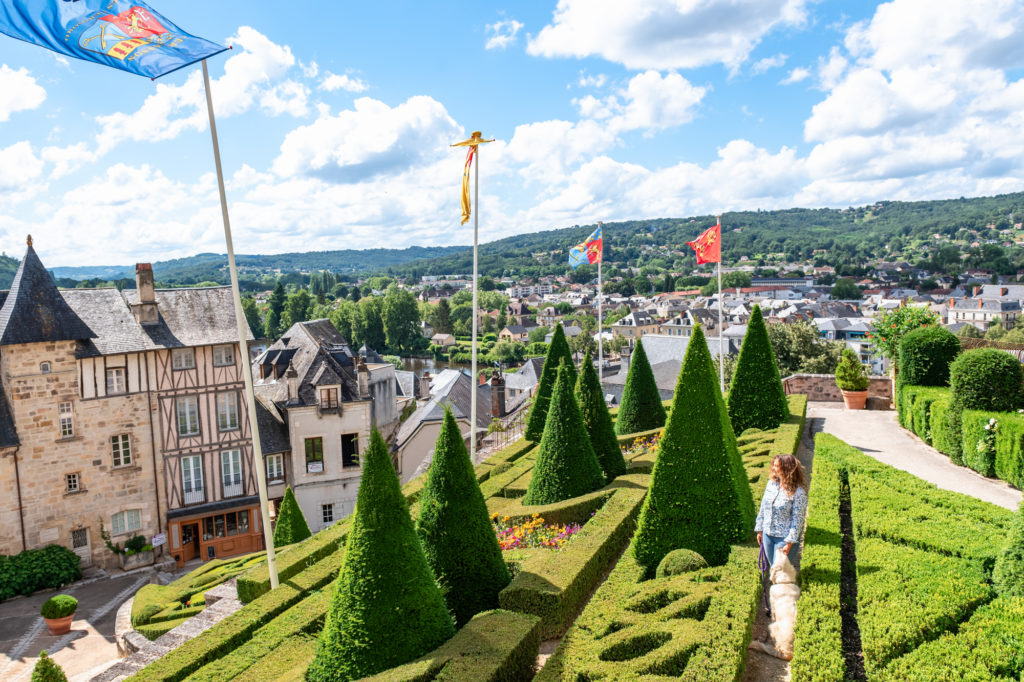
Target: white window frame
(116, 380)
(231, 468)
(275, 468)
(224, 355)
(192, 465)
(121, 449)
(127, 521)
(183, 358)
(66, 420)
(73, 483)
(227, 411)
(44, 367)
(190, 403)
(327, 512)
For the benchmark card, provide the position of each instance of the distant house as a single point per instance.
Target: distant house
(548, 317)
(521, 384)
(677, 326)
(571, 331)
(665, 355)
(514, 332)
(635, 325)
(443, 340)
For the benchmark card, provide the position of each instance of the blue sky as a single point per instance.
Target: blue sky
(335, 119)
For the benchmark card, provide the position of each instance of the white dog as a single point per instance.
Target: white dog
(782, 595)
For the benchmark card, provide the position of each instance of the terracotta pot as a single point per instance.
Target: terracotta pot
(59, 626)
(855, 400)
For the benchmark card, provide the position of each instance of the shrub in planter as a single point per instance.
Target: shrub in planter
(641, 408)
(699, 497)
(456, 530)
(598, 422)
(850, 374)
(47, 670)
(982, 379)
(925, 355)
(756, 396)
(558, 350)
(680, 561)
(566, 464)
(291, 524)
(1008, 575)
(386, 608)
(59, 606)
(136, 544)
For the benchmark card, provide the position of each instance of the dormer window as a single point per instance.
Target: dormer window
(329, 398)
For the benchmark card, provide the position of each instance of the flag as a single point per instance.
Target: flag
(473, 142)
(589, 252)
(123, 34)
(709, 245)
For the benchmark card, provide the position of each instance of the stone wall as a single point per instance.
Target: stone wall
(822, 387)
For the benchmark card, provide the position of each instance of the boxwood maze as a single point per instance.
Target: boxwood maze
(919, 591)
(545, 596)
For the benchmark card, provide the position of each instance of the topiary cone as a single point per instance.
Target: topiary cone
(47, 670)
(291, 524)
(598, 422)
(756, 397)
(566, 464)
(386, 608)
(457, 534)
(1008, 575)
(699, 497)
(557, 352)
(641, 408)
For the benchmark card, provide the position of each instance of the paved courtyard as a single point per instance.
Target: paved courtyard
(90, 643)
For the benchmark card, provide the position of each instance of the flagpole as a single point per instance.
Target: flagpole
(600, 315)
(476, 314)
(240, 323)
(721, 335)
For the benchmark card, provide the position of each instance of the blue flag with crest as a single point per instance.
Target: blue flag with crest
(123, 34)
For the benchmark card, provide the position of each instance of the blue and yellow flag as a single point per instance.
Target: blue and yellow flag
(123, 34)
(589, 252)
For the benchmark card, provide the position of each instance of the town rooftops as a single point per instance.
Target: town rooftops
(320, 356)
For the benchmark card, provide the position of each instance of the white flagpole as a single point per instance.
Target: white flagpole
(476, 313)
(243, 346)
(600, 295)
(721, 335)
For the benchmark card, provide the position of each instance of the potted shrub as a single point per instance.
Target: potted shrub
(137, 552)
(58, 612)
(852, 380)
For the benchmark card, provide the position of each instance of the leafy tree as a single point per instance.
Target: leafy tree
(1008, 575)
(537, 349)
(799, 348)
(538, 334)
(371, 323)
(566, 464)
(296, 309)
(598, 422)
(272, 324)
(47, 670)
(981, 379)
(291, 523)
(401, 319)
(252, 316)
(699, 497)
(641, 408)
(558, 350)
(925, 355)
(582, 343)
(996, 331)
(891, 325)
(386, 608)
(730, 280)
(846, 290)
(969, 331)
(456, 530)
(756, 397)
(508, 351)
(355, 294)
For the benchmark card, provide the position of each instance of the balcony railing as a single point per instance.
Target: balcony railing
(195, 496)
(233, 490)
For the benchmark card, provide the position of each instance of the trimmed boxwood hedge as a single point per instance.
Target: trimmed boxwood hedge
(925, 355)
(597, 421)
(641, 408)
(982, 379)
(1008, 575)
(756, 397)
(291, 526)
(943, 438)
(558, 352)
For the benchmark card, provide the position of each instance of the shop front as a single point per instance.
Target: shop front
(214, 533)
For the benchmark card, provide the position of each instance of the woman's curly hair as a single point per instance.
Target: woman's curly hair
(789, 473)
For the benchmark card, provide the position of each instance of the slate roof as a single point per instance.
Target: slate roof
(665, 355)
(527, 376)
(453, 388)
(8, 433)
(320, 355)
(34, 311)
(272, 427)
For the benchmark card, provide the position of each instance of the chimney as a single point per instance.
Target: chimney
(497, 395)
(976, 290)
(292, 377)
(145, 308)
(624, 356)
(1003, 291)
(979, 304)
(423, 390)
(363, 377)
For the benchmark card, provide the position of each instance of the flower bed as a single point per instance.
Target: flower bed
(532, 533)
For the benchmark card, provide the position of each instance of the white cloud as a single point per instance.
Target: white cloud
(768, 63)
(288, 97)
(595, 81)
(796, 75)
(664, 34)
(18, 92)
(19, 168)
(309, 69)
(831, 70)
(650, 102)
(333, 81)
(67, 159)
(502, 34)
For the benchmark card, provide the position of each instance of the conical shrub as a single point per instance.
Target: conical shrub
(1008, 575)
(47, 670)
(598, 422)
(756, 397)
(699, 497)
(558, 351)
(641, 408)
(457, 534)
(386, 608)
(291, 524)
(566, 464)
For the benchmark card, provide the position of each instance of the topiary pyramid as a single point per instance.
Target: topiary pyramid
(699, 497)
(386, 608)
(47, 670)
(598, 422)
(641, 408)
(756, 397)
(566, 464)
(1008, 575)
(291, 524)
(457, 534)
(558, 351)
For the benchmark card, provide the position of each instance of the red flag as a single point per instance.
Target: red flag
(709, 245)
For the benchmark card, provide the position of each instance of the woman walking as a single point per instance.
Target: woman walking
(783, 507)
